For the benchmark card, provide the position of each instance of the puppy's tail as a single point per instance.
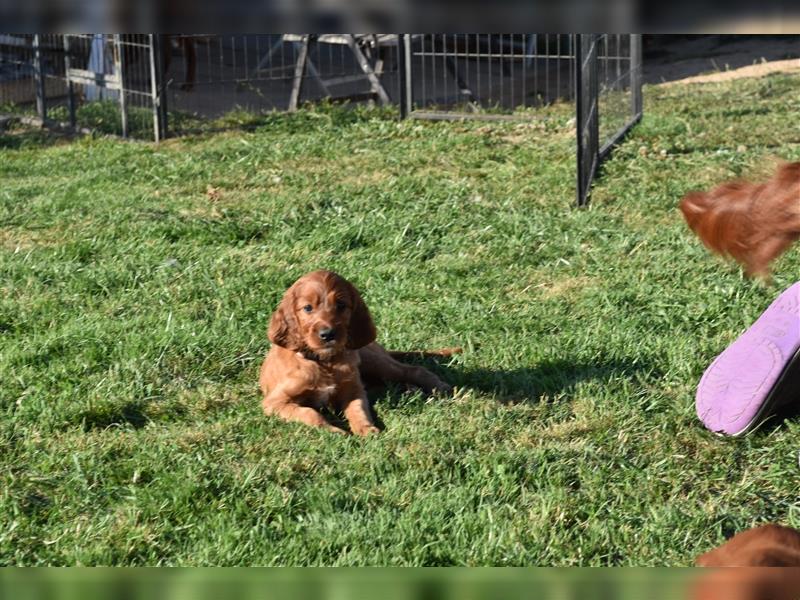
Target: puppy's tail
(440, 353)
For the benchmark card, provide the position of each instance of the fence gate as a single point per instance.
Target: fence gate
(104, 82)
(122, 71)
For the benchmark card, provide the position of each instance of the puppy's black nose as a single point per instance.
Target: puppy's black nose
(327, 335)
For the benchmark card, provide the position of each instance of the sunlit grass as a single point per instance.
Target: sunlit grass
(134, 309)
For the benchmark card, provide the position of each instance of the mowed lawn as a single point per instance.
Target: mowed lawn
(138, 281)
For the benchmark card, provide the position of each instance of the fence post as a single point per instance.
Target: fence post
(41, 104)
(157, 88)
(119, 65)
(409, 72)
(401, 74)
(586, 117)
(300, 71)
(636, 74)
(70, 85)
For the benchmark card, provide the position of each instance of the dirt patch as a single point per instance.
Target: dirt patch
(682, 58)
(566, 286)
(23, 239)
(759, 70)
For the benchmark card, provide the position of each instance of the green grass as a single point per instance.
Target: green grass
(134, 310)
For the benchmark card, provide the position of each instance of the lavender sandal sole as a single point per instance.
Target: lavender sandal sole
(756, 373)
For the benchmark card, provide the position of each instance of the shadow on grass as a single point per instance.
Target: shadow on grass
(130, 414)
(787, 412)
(32, 138)
(544, 380)
(550, 379)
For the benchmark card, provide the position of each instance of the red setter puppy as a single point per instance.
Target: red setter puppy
(323, 343)
(752, 223)
(761, 547)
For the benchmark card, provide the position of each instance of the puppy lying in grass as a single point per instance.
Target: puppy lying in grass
(752, 223)
(323, 343)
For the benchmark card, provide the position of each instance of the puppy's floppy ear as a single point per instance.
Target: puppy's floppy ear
(362, 330)
(693, 203)
(283, 328)
(693, 206)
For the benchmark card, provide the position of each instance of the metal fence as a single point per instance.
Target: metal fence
(456, 75)
(150, 85)
(106, 82)
(608, 99)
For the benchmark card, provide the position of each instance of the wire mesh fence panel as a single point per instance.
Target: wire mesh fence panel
(487, 74)
(101, 82)
(608, 99)
(207, 76)
(21, 87)
(619, 74)
(150, 85)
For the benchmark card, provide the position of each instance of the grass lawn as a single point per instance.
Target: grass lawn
(138, 280)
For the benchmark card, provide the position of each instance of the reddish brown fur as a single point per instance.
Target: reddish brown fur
(302, 373)
(765, 546)
(760, 549)
(752, 223)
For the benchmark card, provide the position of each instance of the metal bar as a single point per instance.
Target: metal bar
(636, 74)
(408, 72)
(558, 66)
(13, 40)
(579, 109)
(433, 115)
(299, 73)
(104, 80)
(375, 83)
(154, 86)
(478, 65)
(462, 85)
(70, 85)
(41, 104)
(587, 126)
(118, 66)
(157, 86)
(402, 65)
(423, 70)
(163, 47)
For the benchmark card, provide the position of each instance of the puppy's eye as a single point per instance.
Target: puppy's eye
(340, 305)
(307, 308)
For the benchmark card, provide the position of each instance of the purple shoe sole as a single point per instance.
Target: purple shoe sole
(755, 374)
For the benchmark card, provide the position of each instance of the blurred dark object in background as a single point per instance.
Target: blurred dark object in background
(444, 16)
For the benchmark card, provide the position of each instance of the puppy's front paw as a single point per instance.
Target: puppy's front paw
(365, 430)
(440, 388)
(335, 429)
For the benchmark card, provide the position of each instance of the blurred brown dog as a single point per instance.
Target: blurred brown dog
(323, 344)
(764, 546)
(759, 548)
(752, 223)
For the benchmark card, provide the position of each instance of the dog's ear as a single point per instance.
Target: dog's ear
(362, 329)
(283, 327)
(692, 204)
